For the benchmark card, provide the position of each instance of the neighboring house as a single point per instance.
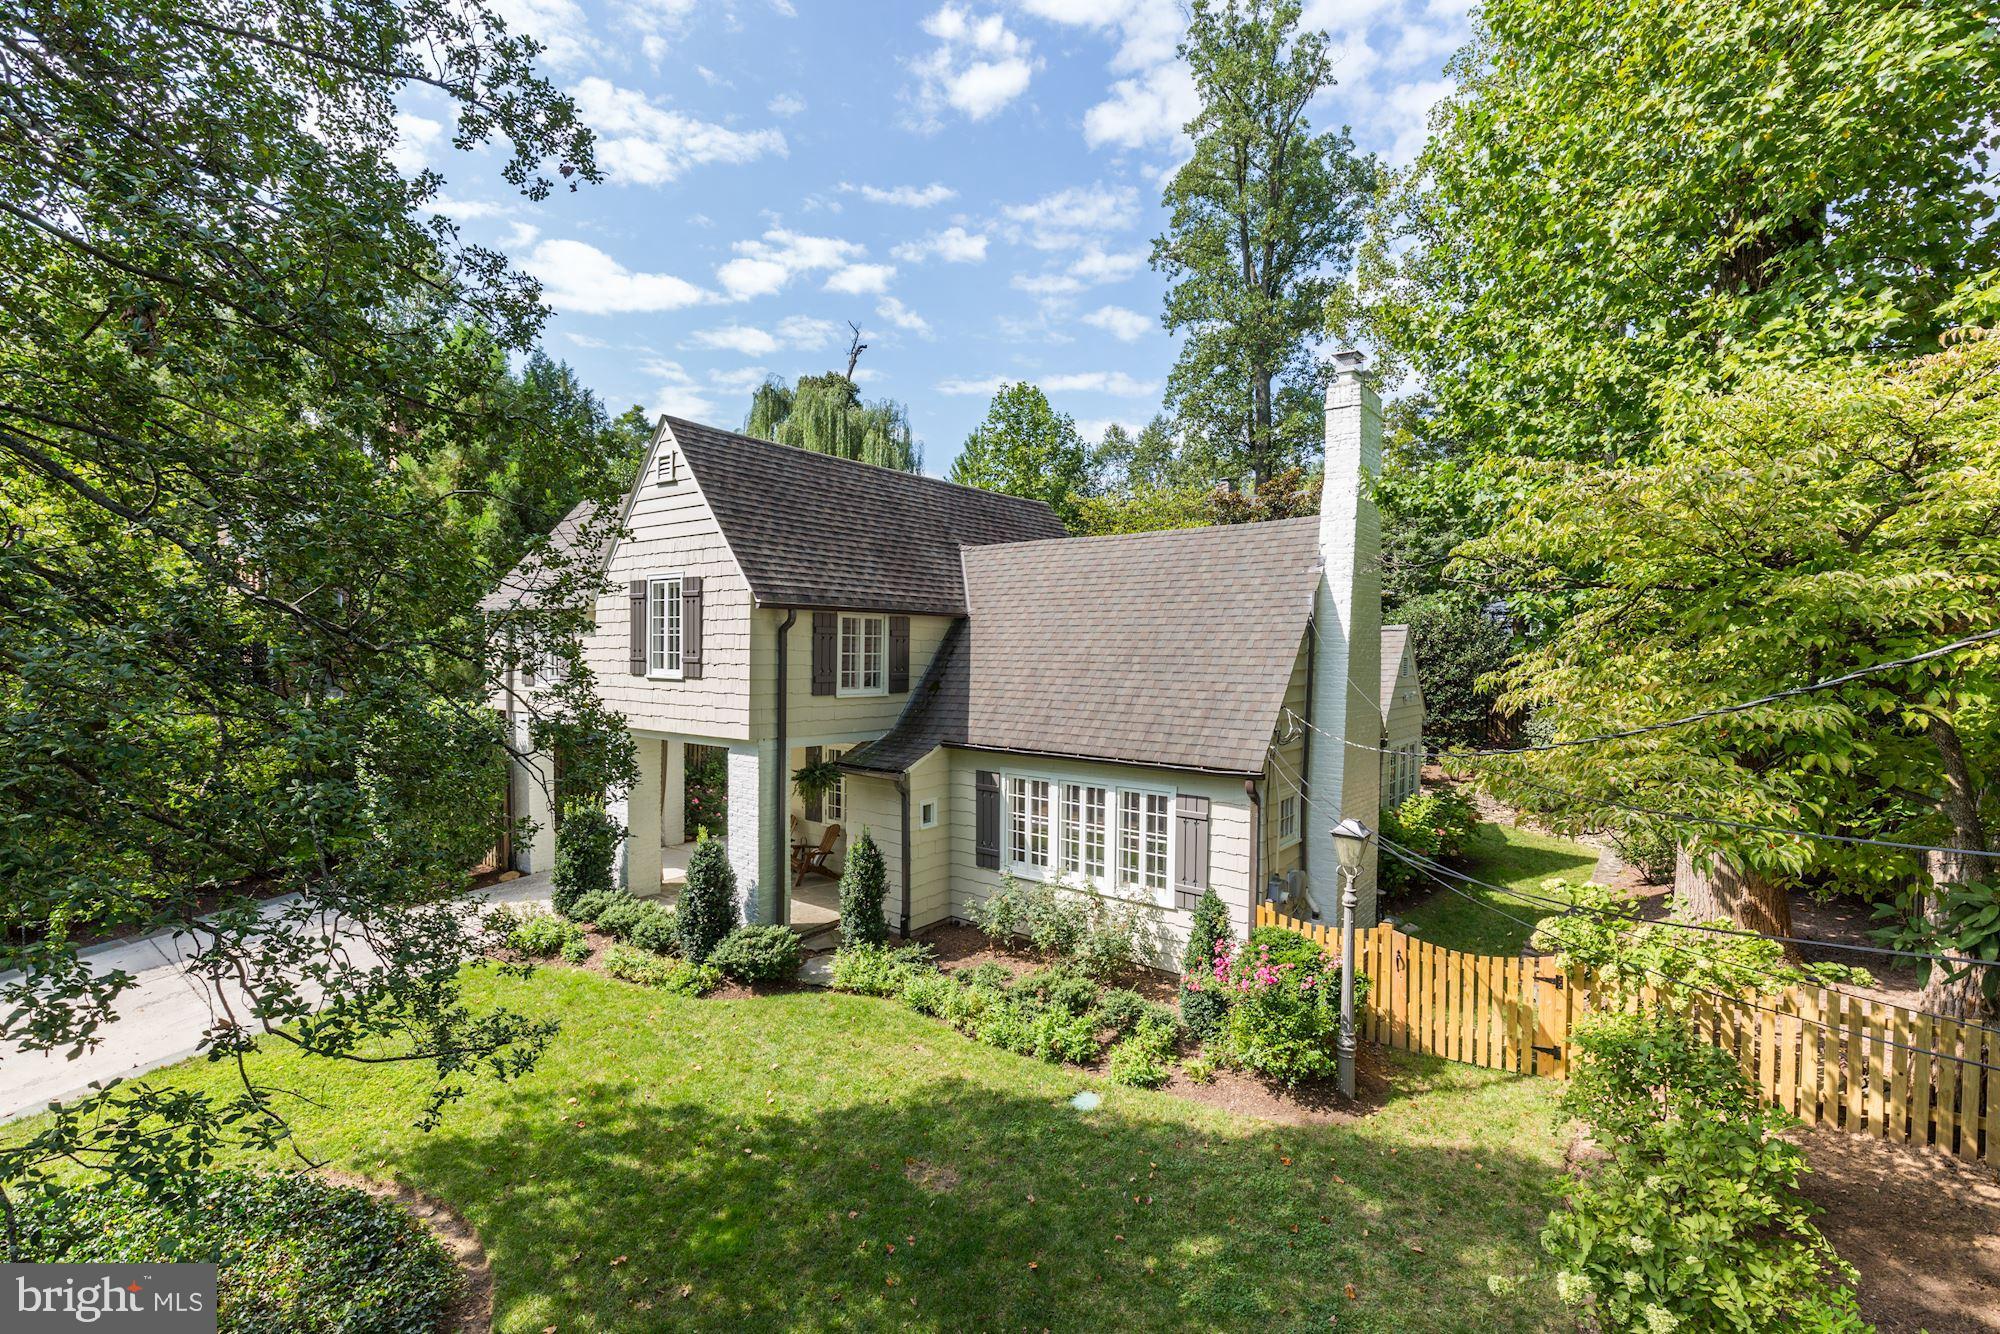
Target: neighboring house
(1112, 712)
(1402, 717)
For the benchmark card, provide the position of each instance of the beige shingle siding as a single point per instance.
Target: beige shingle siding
(809, 718)
(1280, 775)
(930, 849)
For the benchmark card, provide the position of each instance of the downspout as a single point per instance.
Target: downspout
(903, 797)
(1306, 750)
(1256, 851)
(784, 915)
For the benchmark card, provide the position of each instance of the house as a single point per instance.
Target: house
(1402, 717)
(1145, 716)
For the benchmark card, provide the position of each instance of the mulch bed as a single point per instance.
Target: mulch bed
(472, 1313)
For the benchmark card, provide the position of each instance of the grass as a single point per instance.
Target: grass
(818, 1161)
(1516, 859)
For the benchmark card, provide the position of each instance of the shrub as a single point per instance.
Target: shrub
(996, 976)
(928, 992)
(294, 1253)
(591, 907)
(863, 882)
(1102, 936)
(878, 970)
(1006, 1025)
(1145, 1059)
(657, 928)
(542, 935)
(586, 854)
(1282, 1016)
(1286, 946)
(674, 975)
(1121, 1009)
(1647, 845)
(964, 1006)
(707, 910)
(1198, 1069)
(1431, 824)
(1206, 992)
(617, 918)
(758, 954)
(1211, 923)
(576, 950)
(1062, 1036)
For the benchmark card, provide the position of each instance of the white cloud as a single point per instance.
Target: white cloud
(1148, 109)
(765, 265)
(1097, 265)
(558, 25)
(1094, 428)
(804, 332)
(679, 394)
(1102, 382)
(584, 340)
(1060, 221)
(785, 104)
(741, 380)
(797, 332)
(582, 279)
(653, 22)
(641, 143)
(953, 245)
(963, 387)
(900, 315)
(907, 196)
(415, 137)
(861, 279)
(466, 210)
(978, 66)
(1122, 324)
(1045, 284)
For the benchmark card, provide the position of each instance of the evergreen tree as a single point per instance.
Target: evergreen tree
(1027, 448)
(864, 882)
(707, 910)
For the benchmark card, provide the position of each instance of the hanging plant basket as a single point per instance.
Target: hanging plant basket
(816, 780)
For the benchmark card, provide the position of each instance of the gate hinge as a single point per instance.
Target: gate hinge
(1549, 1051)
(1556, 981)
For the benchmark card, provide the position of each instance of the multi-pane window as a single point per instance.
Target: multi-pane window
(663, 627)
(1083, 831)
(835, 801)
(1028, 822)
(1288, 818)
(1142, 840)
(864, 655)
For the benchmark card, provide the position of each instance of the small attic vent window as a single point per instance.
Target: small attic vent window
(667, 471)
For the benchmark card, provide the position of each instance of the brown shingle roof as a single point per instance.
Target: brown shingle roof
(1394, 637)
(576, 535)
(810, 530)
(1170, 648)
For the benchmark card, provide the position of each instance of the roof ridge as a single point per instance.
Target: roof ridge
(1152, 533)
(744, 436)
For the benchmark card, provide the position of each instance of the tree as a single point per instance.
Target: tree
(708, 908)
(863, 883)
(1621, 200)
(1027, 448)
(1460, 649)
(825, 414)
(1263, 218)
(241, 653)
(1812, 522)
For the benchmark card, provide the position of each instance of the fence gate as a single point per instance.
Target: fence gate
(1830, 1058)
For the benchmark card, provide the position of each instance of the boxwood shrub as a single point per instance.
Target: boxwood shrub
(758, 954)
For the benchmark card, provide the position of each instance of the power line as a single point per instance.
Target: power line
(1721, 711)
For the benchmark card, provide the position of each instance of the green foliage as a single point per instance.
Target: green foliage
(1120, 1009)
(1062, 987)
(675, 976)
(1061, 1037)
(1436, 824)
(1210, 924)
(591, 907)
(619, 915)
(991, 974)
(1281, 946)
(1024, 447)
(1102, 936)
(928, 992)
(1007, 1024)
(879, 970)
(1199, 1069)
(586, 854)
(1263, 218)
(1145, 1058)
(1551, 276)
(825, 414)
(758, 954)
(244, 651)
(707, 907)
(1206, 1011)
(294, 1253)
(656, 927)
(864, 881)
(1459, 652)
(1283, 1016)
(706, 793)
(543, 936)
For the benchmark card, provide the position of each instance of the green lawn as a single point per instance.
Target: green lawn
(1518, 859)
(819, 1161)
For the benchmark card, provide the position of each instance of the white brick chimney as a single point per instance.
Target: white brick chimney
(1344, 781)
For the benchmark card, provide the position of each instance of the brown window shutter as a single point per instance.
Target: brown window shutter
(638, 627)
(813, 812)
(691, 627)
(899, 654)
(826, 648)
(986, 842)
(1190, 850)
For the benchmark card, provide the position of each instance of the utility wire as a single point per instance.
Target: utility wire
(1722, 711)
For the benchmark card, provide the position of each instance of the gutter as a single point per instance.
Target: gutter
(1306, 751)
(1256, 851)
(784, 914)
(903, 797)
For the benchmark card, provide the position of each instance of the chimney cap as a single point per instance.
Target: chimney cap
(1350, 360)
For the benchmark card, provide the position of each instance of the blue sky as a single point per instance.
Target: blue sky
(975, 184)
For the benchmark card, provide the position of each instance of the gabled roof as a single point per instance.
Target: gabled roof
(575, 535)
(1394, 638)
(811, 530)
(1169, 648)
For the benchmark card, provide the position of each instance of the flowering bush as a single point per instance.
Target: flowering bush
(1283, 1014)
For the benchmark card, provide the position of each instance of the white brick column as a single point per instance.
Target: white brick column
(641, 818)
(757, 834)
(673, 794)
(533, 780)
(1346, 781)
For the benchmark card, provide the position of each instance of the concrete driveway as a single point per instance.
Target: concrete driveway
(161, 1018)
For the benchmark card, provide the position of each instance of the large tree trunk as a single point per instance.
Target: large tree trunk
(1260, 425)
(1961, 997)
(1753, 901)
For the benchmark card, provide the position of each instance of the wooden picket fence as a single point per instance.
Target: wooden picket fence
(1829, 1058)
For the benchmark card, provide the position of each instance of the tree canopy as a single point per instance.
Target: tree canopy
(241, 649)
(1026, 448)
(824, 413)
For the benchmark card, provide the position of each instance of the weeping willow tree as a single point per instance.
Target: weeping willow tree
(824, 413)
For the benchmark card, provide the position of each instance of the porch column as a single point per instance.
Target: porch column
(534, 781)
(673, 794)
(640, 860)
(757, 837)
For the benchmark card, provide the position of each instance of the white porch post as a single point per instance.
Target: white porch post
(534, 783)
(641, 818)
(757, 828)
(673, 794)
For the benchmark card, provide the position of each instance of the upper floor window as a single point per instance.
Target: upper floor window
(864, 655)
(663, 627)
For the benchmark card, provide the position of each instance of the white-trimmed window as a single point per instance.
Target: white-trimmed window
(833, 804)
(663, 627)
(927, 815)
(1029, 822)
(1083, 831)
(1142, 840)
(1288, 820)
(864, 655)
